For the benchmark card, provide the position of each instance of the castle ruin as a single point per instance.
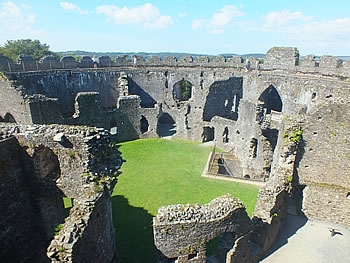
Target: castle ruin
(285, 123)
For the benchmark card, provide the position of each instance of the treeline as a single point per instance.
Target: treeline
(14, 48)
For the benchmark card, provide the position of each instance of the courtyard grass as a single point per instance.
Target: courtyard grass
(159, 172)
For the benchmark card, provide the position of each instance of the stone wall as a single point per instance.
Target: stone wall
(80, 163)
(13, 105)
(281, 57)
(182, 231)
(324, 168)
(21, 237)
(65, 85)
(287, 58)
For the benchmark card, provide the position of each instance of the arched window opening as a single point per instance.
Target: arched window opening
(225, 138)
(166, 125)
(144, 125)
(182, 90)
(208, 134)
(253, 148)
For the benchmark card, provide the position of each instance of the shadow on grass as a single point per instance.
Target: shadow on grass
(134, 232)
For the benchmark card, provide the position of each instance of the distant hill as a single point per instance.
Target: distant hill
(254, 55)
(344, 57)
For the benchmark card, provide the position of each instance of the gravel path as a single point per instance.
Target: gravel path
(306, 241)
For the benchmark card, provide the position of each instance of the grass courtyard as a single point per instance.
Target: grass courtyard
(159, 172)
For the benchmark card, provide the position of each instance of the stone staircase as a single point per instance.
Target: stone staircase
(225, 164)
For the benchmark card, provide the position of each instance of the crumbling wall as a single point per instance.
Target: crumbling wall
(324, 168)
(182, 231)
(19, 219)
(272, 202)
(281, 57)
(13, 104)
(77, 162)
(65, 85)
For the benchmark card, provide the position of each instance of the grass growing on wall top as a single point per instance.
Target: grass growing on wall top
(159, 172)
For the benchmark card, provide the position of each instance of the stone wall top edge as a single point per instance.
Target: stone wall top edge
(217, 209)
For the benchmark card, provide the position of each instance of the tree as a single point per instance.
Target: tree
(33, 48)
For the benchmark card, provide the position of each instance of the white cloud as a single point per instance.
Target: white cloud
(225, 16)
(17, 20)
(305, 31)
(277, 20)
(67, 6)
(147, 15)
(160, 22)
(11, 10)
(197, 23)
(217, 23)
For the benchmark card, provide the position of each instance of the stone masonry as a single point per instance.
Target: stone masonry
(49, 163)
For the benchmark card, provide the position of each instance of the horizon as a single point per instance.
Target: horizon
(213, 28)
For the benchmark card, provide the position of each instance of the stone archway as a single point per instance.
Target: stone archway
(271, 100)
(9, 118)
(166, 125)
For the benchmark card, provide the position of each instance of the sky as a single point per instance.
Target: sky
(203, 27)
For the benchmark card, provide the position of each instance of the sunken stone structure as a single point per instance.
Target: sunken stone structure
(285, 124)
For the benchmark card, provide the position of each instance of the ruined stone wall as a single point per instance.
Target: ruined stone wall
(21, 238)
(80, 163)
(324, 168)
(65, 85)
(182, 231)
(214, 91)
(128, 118)
(281, 57)
(13, 105)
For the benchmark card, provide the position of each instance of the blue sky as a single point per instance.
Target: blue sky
(204, 27)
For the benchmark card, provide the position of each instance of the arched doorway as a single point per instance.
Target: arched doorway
(166, 125)
(144, 125)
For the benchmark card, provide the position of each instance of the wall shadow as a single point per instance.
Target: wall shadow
(134, 232)
(291, 226)
(147, 101)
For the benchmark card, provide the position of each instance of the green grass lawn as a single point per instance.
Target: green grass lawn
(159, 172)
